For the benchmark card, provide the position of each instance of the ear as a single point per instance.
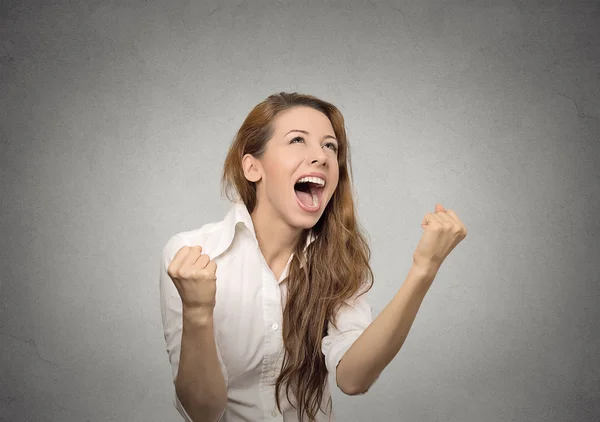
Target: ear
(252, 168)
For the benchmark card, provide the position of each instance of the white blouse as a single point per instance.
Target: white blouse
(248, 318)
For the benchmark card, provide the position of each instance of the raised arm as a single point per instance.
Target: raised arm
(200, 385)
(380, 342)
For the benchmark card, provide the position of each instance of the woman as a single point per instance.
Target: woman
(259, 308)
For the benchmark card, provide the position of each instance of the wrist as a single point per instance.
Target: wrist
(426, 268)
(198, 316)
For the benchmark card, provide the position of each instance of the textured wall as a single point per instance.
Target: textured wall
(115, 120)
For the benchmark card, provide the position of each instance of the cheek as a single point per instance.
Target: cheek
(337, 180)
(280, 175)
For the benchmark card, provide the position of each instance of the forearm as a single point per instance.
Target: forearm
(380, 342)
(200, 385)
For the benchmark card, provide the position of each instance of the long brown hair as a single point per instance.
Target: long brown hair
(336, 263)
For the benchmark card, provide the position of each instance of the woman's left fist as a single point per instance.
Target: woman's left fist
(443, 231)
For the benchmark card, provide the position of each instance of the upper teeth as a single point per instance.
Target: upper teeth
(316, 180)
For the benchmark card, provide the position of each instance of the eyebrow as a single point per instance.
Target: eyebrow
(306, 133)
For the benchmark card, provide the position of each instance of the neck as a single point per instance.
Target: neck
(275, 237)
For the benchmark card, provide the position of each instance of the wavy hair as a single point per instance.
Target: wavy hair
(332, 269)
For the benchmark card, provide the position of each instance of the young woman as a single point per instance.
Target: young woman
(260, 307)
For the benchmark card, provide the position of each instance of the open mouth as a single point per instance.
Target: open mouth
(309, 194)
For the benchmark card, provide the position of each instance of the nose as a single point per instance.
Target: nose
(318, 156)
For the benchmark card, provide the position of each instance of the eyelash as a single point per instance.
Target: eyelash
(328, 143)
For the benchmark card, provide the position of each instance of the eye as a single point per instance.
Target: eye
(330, 145)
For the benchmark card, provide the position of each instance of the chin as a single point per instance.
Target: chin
(307, 226)
(308, 220)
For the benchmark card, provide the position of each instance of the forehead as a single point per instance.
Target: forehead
(303, 118)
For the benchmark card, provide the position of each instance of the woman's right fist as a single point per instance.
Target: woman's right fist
(194, 276)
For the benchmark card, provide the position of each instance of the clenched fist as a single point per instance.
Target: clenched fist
(194, 276)
(443, 231)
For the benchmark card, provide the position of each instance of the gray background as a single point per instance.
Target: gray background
(115, 121)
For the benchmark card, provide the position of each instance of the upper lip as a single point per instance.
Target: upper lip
(320, 175)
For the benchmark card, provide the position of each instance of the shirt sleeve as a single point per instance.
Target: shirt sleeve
(353, 317)
(171, 313)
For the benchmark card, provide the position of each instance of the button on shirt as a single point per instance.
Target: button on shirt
(247, 320)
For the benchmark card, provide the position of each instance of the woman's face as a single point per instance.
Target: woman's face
(304, 142)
